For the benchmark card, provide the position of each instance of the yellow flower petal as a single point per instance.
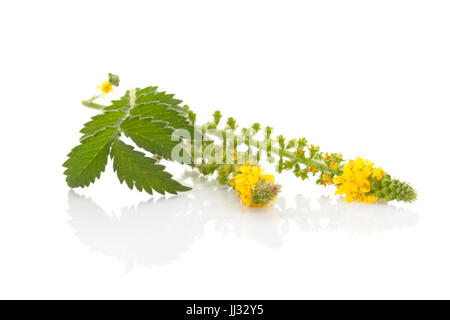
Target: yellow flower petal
(370, 198)
(349, 198)
(365, 186)
(338, 179)
(354, 183)
(246, 180)
(378, 173)
(105, 87)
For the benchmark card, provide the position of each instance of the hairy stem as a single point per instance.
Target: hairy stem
(284, 153)
(93, 105)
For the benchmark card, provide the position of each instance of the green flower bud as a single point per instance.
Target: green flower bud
(281, 141)
(192, 117)
(231, 123)
(291, 144)
(302, 143)
(375, 185)
(386, 190)
(265, 192)
(256, 127)
(217, 116)
(397, 190)
(113, 79)
(386, 182)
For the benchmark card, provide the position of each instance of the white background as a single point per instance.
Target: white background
(368, 78)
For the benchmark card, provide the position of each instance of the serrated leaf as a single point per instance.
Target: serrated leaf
(100, 121)
(151, 130)
(162, 97)
(88, 160)
(163, 112)
(142, 172)
(150, 135)
(148, 94)
(124, 101)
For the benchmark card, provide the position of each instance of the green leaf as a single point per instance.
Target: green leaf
(142, 172)
(148, 94)
(163, 112)
(100, 121)
(149, 103)
(124, 101)
(150, 135)
(150, 126)
(88, 160)
(162, 97)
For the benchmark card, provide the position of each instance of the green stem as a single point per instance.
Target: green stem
(320, 165)
(308, 162)
(93, 105)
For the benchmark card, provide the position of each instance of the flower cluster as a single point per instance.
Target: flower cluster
(253, 186)
(355, 181)
(307, 160)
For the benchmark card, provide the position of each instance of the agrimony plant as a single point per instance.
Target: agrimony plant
(157, 123)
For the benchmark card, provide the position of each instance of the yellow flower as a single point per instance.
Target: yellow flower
(326, 179)
(254, 188)
(338, 179)
(378, 173)
(105, 87)
(370, 198)
(354, 182)
(334, 165)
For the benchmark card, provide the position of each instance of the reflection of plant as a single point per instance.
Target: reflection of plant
(146, 234)
(357, 218)
(158, 232)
